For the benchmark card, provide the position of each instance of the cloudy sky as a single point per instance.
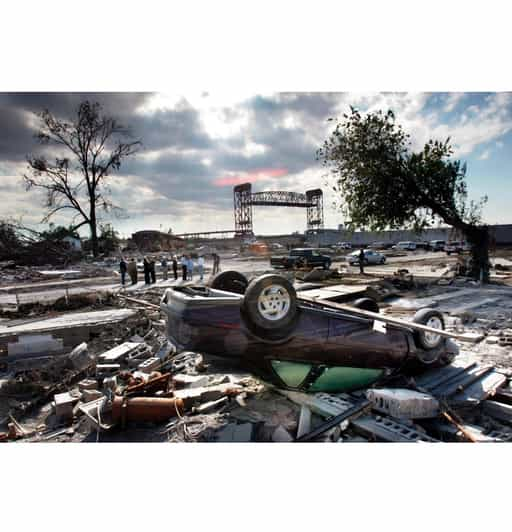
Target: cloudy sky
(197, 146)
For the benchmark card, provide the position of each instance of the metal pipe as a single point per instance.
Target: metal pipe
(156, 409)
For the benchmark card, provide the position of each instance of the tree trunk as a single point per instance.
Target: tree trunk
(478, 238)
(94, 232)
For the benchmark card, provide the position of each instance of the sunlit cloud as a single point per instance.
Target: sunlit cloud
(250, 177)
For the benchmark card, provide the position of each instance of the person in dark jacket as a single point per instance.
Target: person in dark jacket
(184, 264)
(175, 267)
(152, 269)
(361, 261)
(146, 270)
(122, 270)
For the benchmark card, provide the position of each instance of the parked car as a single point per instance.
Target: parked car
(380, 245)
(406, 246)
(343, 245)
(370, 257)
(457, 247)
(301, 257)
(437, 245)
(296, 343)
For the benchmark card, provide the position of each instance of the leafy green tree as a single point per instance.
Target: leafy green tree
(91, 147)
(381, 183)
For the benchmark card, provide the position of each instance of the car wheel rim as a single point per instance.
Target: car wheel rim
(274, 302)
(430, 337)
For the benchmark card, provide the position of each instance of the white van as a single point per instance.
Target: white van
(406, 246)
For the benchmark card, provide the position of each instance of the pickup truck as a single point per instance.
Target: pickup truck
(301, 257)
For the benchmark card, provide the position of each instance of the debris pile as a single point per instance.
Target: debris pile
(108, 372)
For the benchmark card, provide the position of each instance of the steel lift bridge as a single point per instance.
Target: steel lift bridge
(244, 199)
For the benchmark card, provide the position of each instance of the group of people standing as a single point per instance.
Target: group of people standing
(149, 268)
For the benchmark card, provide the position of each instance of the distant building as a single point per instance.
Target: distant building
(156, 241)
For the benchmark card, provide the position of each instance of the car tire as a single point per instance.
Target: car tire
(383, 260)
(366, 303)
(229, 281)
(432, 318)
(327, 265)
(270, 303)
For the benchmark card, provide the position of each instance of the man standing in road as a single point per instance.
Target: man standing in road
(200, 267)
(132, 270)
(122, 270)
(361, 261)
(184, 262)
(165, 268)
(190, 268)
(175, 267)
(146, 266)
(152, 271)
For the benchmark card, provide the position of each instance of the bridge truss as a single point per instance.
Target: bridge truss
(244, 199)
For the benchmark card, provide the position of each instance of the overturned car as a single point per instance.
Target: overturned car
(298, 343)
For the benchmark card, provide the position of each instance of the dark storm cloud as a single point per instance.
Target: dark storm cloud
(17, 137)
(179, 127)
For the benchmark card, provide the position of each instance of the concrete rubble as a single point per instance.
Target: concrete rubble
(104, 370)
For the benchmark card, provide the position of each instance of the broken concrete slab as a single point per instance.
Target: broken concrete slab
(182, 380)
(304, 421)
(402, 403)
(234, 433)
(281, 435)
(35, 344)
(71, 328)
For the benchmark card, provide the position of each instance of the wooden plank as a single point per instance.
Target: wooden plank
(466, 337)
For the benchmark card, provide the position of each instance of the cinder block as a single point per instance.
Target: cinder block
(91, 395)
(64, 403)
(88, 384)
(149, 365)
(403, 403)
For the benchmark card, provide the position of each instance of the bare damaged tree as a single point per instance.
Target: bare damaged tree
(96, 145)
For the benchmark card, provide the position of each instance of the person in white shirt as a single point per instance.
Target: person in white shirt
(200, 267)
(190, 268)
